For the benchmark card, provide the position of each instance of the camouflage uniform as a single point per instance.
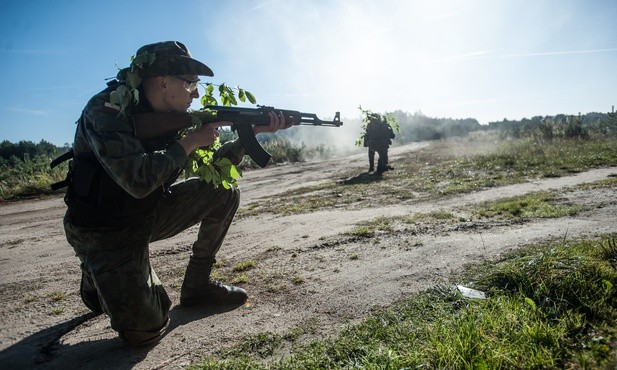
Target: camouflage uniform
(377, 138)
(121, 197)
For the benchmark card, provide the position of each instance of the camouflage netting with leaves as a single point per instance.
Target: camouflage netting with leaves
(368, 116)
(201, 162)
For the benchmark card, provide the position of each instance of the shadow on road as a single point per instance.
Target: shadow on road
(363, 178)
(45, 348)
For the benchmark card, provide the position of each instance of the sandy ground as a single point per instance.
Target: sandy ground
(307, 272)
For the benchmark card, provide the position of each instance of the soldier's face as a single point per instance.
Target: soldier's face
(180, 92)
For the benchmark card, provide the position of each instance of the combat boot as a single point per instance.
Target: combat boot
(198, 288)
(381, 170)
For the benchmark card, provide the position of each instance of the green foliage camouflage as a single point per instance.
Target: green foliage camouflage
(201, 162)
(368, 116)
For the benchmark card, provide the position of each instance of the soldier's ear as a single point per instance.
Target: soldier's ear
(161, 82)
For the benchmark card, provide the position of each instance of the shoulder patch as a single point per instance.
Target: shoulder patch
(109, 107)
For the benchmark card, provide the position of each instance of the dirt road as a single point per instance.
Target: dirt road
(307, 272)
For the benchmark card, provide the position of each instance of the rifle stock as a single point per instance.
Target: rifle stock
(154, 124)
(151, 125)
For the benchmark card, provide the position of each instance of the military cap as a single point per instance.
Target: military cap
(173, 58)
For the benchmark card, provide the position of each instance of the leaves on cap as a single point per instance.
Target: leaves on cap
(145, 58)
(121, 97)
(125, 95)
(133, 79)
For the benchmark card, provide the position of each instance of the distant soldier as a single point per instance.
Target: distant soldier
(378, 138)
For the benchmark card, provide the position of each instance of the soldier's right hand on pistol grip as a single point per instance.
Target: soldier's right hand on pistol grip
(204, 136)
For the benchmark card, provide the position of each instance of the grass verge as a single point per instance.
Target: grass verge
(30, 178)
(533, 205)
(546, 306)
(446, 168)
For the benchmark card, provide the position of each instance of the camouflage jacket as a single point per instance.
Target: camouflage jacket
(108, 136)
(378, 134)
(115, 175)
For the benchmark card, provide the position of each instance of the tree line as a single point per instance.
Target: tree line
(418, 127)
(582, 126)
(11, 153)
(413, 128)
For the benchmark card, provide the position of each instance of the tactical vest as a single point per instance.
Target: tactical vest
(95, 199)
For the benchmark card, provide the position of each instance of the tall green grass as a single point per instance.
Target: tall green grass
(29, 177)
(533, 205)
(509, 162)
(549, 158)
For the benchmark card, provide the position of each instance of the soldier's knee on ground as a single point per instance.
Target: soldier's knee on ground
(88, 293)
(143, 338)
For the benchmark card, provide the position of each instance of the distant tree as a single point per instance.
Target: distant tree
(27, 149)
(608, 125)
(575, 129)
(46, 148)
(546, 129)
(560, 125)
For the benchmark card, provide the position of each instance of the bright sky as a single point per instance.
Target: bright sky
(482, 59)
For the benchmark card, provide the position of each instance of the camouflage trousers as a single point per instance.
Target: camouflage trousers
(116, 260)
(382, 161)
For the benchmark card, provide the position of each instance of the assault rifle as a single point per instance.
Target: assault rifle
(150, 125)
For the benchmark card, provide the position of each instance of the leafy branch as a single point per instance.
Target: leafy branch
(202, 162)
(226, 94)
(369, 116)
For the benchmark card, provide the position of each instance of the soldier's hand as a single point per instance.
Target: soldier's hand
(277, 122)
(204, 136)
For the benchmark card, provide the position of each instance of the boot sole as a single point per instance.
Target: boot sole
(190, 302)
